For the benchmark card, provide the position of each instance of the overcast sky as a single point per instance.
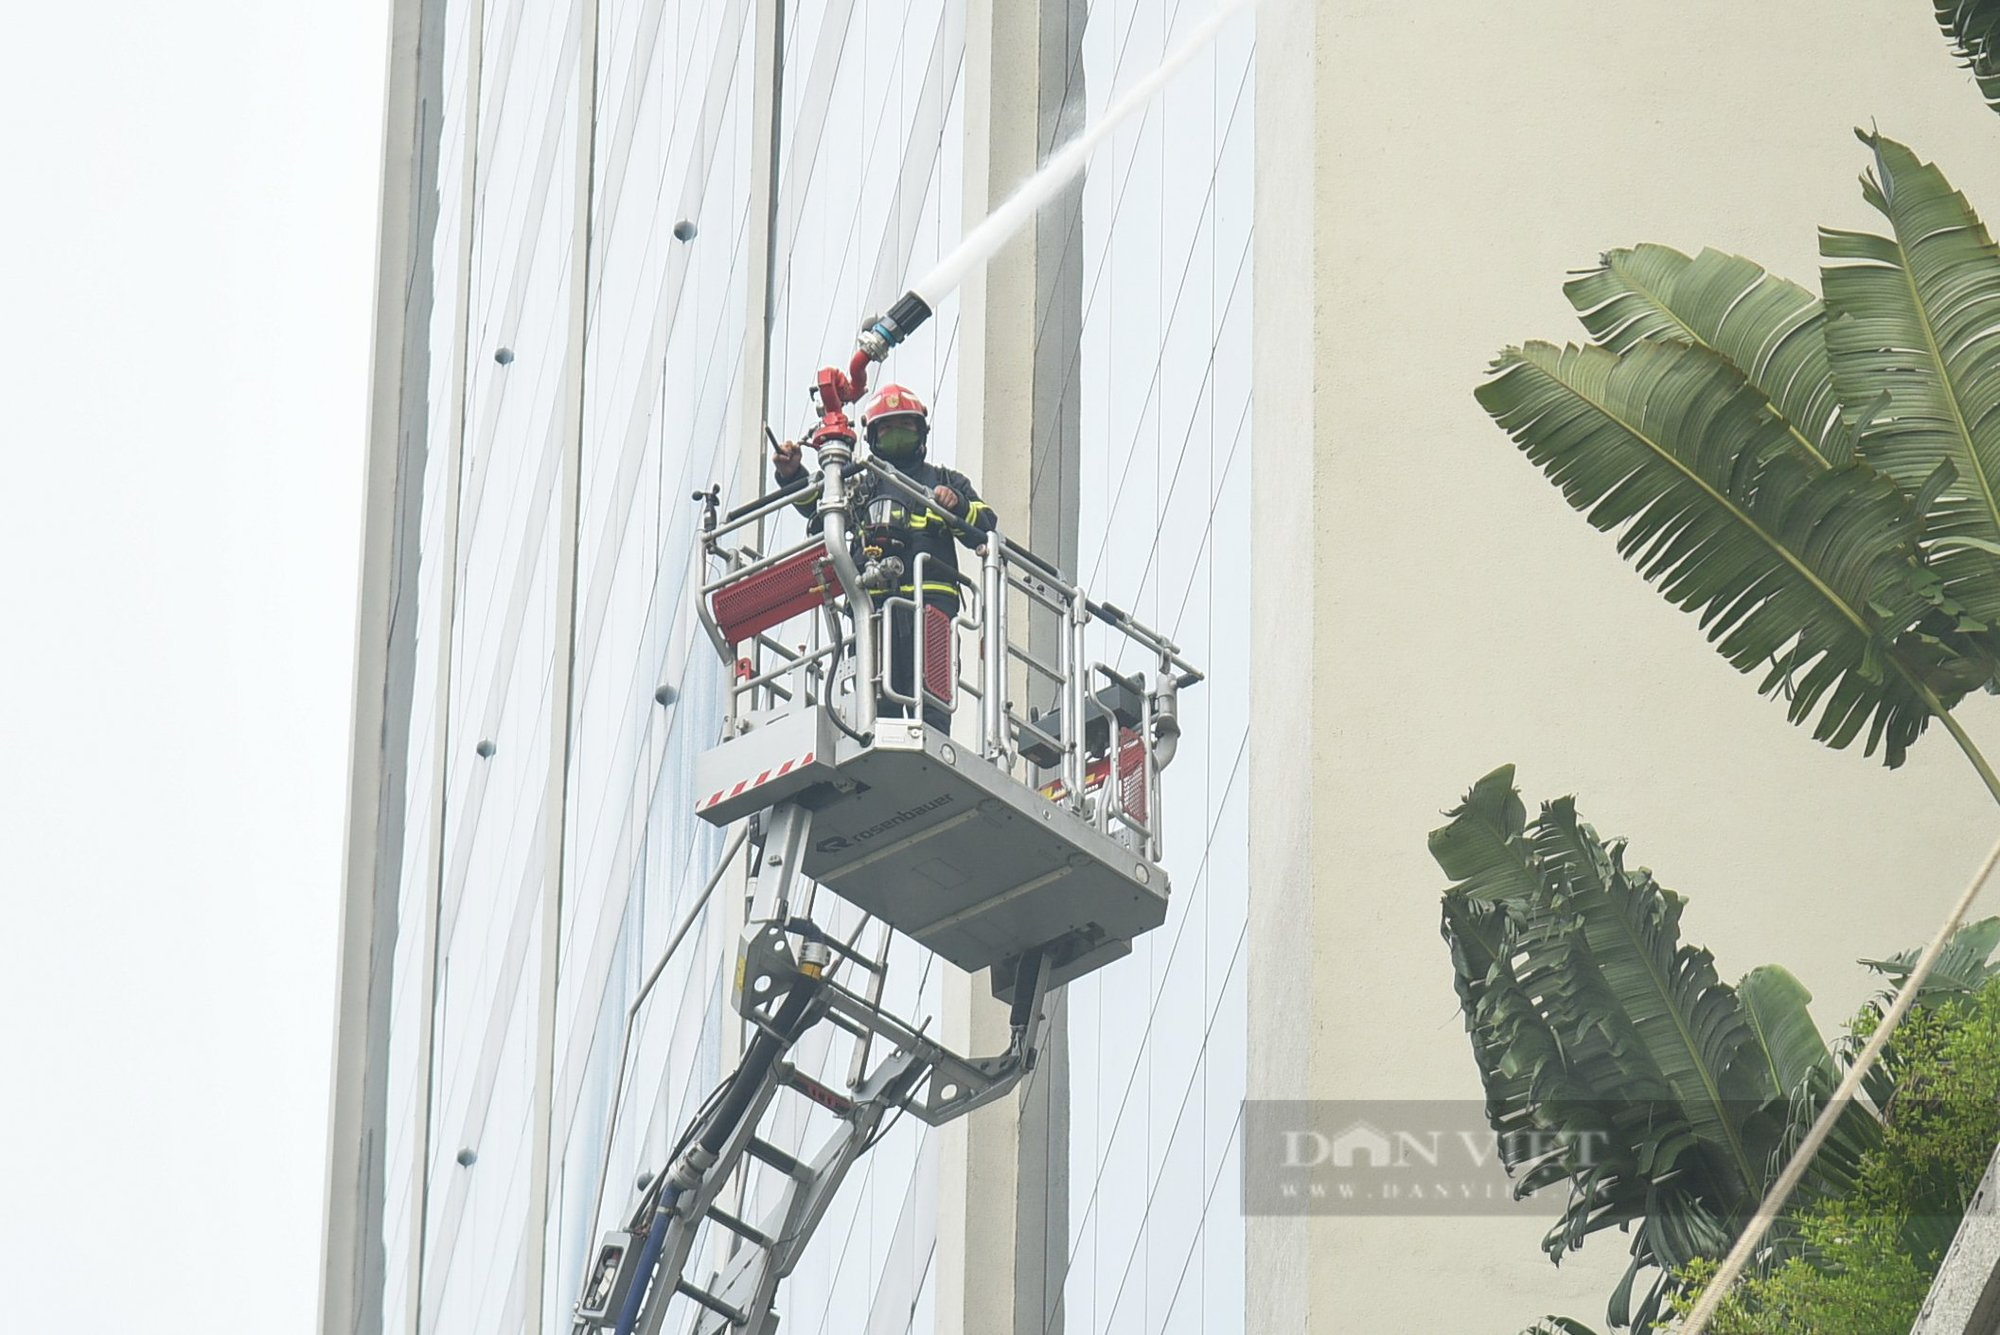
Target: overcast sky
(185, 302)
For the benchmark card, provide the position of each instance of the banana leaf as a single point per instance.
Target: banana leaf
(1767, 327)
(1964, 965)
(1808, 572)
(1973, 27)
(1910, 338)
(1663, 1100)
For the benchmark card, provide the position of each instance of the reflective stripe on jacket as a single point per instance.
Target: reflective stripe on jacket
(930, 535)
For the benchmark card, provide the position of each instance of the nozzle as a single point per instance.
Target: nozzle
(884, 332)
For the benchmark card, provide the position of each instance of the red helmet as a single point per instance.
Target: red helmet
(894, 406)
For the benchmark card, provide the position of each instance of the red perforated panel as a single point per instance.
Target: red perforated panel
(1132, 775)
(775, 594)
(940, 672)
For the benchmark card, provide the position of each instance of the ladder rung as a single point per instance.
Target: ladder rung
(777, 1158)
(711, 1302)
(839, 1021)
(755, 1236)
(838, 1104)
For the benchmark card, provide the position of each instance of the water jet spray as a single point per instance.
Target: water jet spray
(836, 388)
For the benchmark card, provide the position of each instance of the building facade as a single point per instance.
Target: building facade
(619, 239)
(620, 235)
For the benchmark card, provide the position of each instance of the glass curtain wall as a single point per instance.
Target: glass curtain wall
(870, 129)
(504, 420)
(869, 124)
(1158, 1043)
(869, 157)
(664, 329)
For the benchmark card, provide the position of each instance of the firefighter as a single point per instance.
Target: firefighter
(896, 426)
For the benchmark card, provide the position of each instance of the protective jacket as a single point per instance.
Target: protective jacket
(929, 534)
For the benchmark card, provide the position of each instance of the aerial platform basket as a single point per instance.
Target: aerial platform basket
(989, 830)
(942, 844)
(999, 806)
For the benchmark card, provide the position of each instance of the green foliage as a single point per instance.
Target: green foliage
(1943, 1117)
(1620, 1069)
(1862, 1284)
(1912, 366)
(1974, 29)
(1818, 482)
(1615, 1062)
(1963, 967)
(1867, 1258)
(1767, 327)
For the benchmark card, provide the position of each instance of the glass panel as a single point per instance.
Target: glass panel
(1157, 1072)
(869, 190)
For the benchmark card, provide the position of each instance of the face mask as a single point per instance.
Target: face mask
(898, 440)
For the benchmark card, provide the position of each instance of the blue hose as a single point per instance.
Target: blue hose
(649, 1258)
(742, 1089)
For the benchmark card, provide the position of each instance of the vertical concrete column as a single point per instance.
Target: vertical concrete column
(384, 670)
(1003, 1210)
(1287, 1283)
(452, 477)
(1965, 1297)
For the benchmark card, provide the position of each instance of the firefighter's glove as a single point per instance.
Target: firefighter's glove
(953, 503)
(785, 463)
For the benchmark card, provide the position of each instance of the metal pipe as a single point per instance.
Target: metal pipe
(791, 664)
(1163, 740)
(688, 920)
(1052, 671)
(993, 610)
(857, 375)
(767, 678)
(1041, 566)
(712, 627)
(803, 653)
(1069, 733)
(759, 565)
(888, 687)
(1074, 710)
(1145, 635)
(1060, 606)
(833, 504)
(919, 650)
(1166, 710)
(765, 506)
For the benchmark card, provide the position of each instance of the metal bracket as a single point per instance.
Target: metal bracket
(786, 829)
(919, 1076)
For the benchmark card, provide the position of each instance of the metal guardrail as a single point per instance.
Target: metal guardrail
(1098, 751)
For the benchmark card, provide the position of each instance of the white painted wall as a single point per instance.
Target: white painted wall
(1446, 165)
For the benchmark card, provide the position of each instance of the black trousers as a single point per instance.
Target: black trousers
(900, 664)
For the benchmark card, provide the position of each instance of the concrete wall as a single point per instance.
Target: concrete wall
(1965, 1299)
(351, 1243)
(1004, 1183)
(1427, 177)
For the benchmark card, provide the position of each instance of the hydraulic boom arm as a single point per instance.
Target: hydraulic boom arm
(783, 990)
